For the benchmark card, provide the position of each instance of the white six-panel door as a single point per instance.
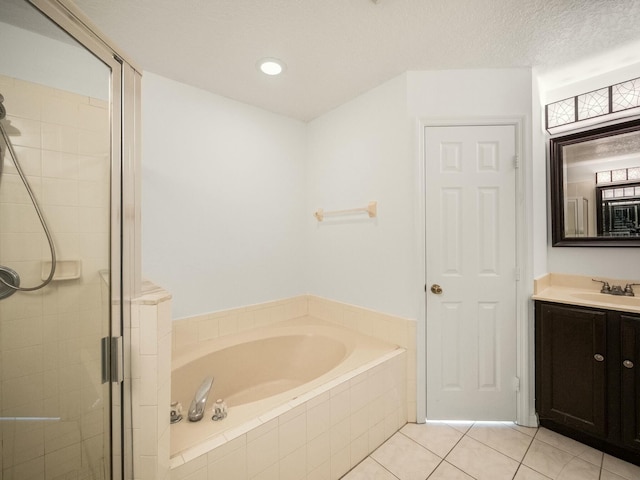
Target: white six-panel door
(471, 257)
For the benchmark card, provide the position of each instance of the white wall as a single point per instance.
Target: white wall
(596, 261)
(367, 149)
(486, 94)
(223, 199)
(360, 152)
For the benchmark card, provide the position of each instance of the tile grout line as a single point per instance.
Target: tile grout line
(384, 467)
(443, 459)
(525, 455)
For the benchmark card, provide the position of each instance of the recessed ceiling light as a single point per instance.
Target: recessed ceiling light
(271, 66)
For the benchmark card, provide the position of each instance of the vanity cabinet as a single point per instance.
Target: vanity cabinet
(630, 379)
(588, 376)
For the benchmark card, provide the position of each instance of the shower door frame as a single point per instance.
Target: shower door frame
(124, 229)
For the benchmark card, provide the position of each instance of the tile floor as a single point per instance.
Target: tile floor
(487, 451)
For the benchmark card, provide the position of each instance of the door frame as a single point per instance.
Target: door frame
(524, 260)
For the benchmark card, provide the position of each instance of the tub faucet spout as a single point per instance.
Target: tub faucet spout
(196, 410)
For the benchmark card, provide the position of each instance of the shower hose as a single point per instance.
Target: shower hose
(9, 282)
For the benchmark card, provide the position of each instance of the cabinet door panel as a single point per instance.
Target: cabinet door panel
(630, 379)
(570, 373)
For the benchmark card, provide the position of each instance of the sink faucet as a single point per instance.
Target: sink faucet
(606, 288)
(617, 289)
(628, 291)
(196, 410)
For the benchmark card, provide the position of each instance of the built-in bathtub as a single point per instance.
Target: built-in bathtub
(302, 388)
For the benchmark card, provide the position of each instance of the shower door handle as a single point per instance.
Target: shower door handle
(112, 370)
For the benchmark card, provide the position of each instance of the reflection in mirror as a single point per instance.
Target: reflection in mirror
(596, 187)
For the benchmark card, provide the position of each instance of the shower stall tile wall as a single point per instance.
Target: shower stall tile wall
(50, 368)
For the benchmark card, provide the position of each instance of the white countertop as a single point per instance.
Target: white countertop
(583, 291)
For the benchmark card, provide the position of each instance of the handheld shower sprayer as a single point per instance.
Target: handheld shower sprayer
(9, 279)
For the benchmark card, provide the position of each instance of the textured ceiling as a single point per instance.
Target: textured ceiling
(338, 49)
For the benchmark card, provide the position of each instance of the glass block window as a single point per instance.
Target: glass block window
(604, 101)
(620, 175)
(593, 104)
(620, 193)
(561, 113)
(603, 177)
(625, 95)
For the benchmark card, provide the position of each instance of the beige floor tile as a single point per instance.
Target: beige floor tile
(531, 431)
(446, 471)
(437, 437)
(459, 425)
(563, 443)
(578, 469)
(605, 475)
(369, 469)
(546, 459)
(621, 468)
(405, 458)
(525, 473)
(481, 461)
(502, 438)
(592, 456)
(488, 451)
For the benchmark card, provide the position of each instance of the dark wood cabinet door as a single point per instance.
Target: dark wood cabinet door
(630, 380)
(571, 367)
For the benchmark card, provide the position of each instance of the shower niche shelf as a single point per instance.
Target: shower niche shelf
(65, 269)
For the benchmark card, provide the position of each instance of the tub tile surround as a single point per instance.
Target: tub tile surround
(191, 331)
(321, 434)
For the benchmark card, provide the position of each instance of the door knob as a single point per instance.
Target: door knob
(437, 289)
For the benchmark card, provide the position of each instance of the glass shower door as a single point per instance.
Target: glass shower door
(55, 410)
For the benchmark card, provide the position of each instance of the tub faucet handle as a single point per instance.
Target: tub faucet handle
(175, 412)
(196, 410)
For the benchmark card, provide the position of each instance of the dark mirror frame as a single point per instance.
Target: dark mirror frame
(557, 190)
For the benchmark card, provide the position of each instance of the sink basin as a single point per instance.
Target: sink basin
(611, 299)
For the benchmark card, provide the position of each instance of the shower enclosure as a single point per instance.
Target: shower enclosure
(63, 305)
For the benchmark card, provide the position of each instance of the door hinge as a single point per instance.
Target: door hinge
(517, 274)
(516, 384)
(516, 162)
(112, 370)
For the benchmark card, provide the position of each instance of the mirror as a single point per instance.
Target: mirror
(595, 187)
